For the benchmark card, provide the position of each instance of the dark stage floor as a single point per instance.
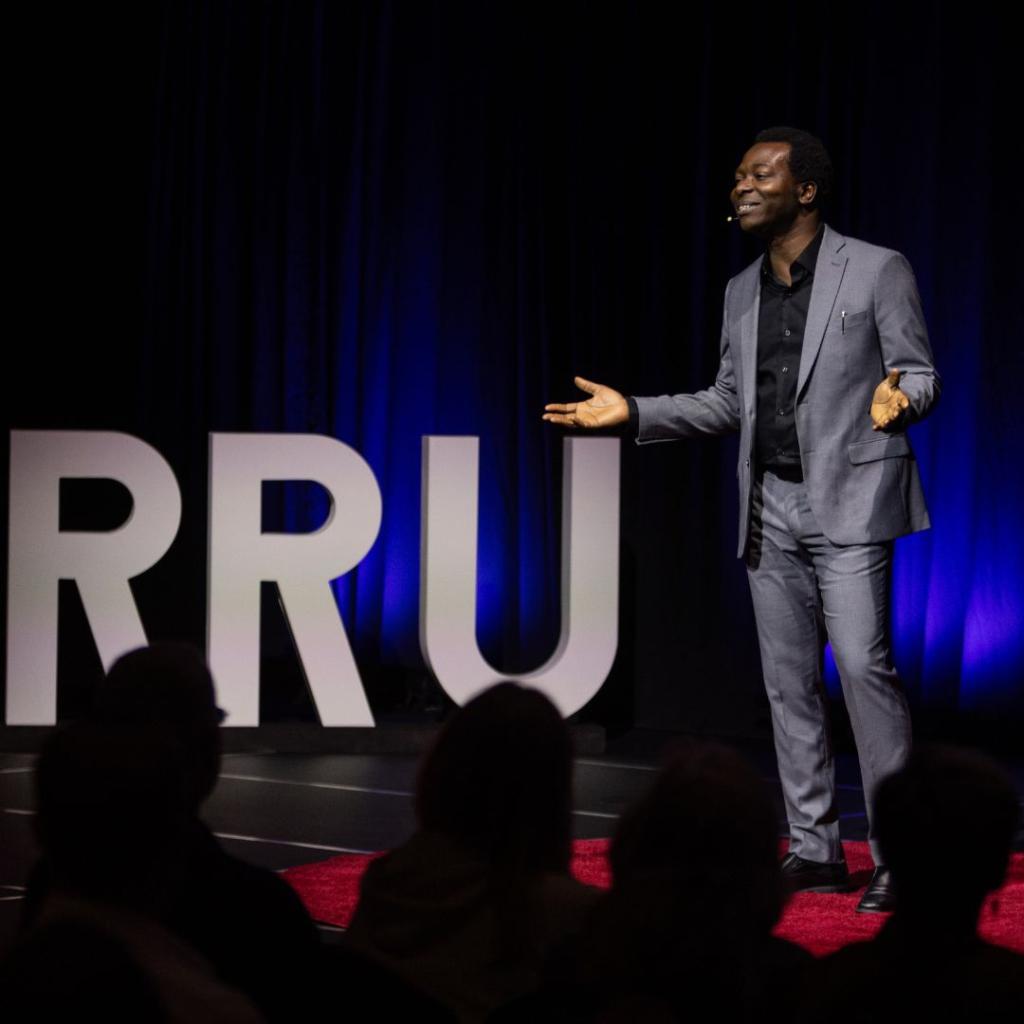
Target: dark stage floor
(284, 809)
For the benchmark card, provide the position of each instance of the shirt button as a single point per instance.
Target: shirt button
(782, 412)
(785, 369)
(787, 332)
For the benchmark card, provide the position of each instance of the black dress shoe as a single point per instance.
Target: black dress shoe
(814, 876)
(880, 895)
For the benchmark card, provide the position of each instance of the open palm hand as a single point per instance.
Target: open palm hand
(605, 408)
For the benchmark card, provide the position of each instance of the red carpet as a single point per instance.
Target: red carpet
(819, 923)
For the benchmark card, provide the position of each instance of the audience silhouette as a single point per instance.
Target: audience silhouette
(112, 823)
(474, 904)
(244, 919)
(135, 912)
(686, 929)
(946, 825)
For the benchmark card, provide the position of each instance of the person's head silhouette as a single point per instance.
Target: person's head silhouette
(946, 823)
(708, 827)
(498, 780)
(168, 687)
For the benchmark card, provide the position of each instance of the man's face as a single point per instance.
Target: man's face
(765, 195)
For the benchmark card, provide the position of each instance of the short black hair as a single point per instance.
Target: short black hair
(808, 158)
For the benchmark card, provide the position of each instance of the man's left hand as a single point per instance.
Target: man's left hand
(888, 403)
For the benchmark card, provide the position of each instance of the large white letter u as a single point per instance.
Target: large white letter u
(590, 572)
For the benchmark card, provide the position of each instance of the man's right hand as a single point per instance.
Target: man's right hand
(606, 408)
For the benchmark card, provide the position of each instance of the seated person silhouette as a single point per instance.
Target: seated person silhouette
(685, 932)
(469, 909)
(946, 824)
(244, 919)
(112, 822)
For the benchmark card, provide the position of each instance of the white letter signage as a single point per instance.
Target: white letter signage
(301, 564)
(100, 562)
(590, 572)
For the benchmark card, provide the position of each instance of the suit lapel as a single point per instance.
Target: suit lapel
(749, 302)
(828, 276)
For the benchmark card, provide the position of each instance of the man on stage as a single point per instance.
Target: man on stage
(825, 362)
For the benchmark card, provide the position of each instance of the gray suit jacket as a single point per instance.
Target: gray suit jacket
(863, 485)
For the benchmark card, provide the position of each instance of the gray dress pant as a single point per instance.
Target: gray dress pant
(806, 589)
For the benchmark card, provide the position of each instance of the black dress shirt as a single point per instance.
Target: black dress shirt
(780, 336)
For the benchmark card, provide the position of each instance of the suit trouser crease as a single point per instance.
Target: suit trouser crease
(805, 588)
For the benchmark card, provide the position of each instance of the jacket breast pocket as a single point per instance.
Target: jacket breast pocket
(842, 324)
(889, 446)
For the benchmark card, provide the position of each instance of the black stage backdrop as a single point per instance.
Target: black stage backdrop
(384, 220)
